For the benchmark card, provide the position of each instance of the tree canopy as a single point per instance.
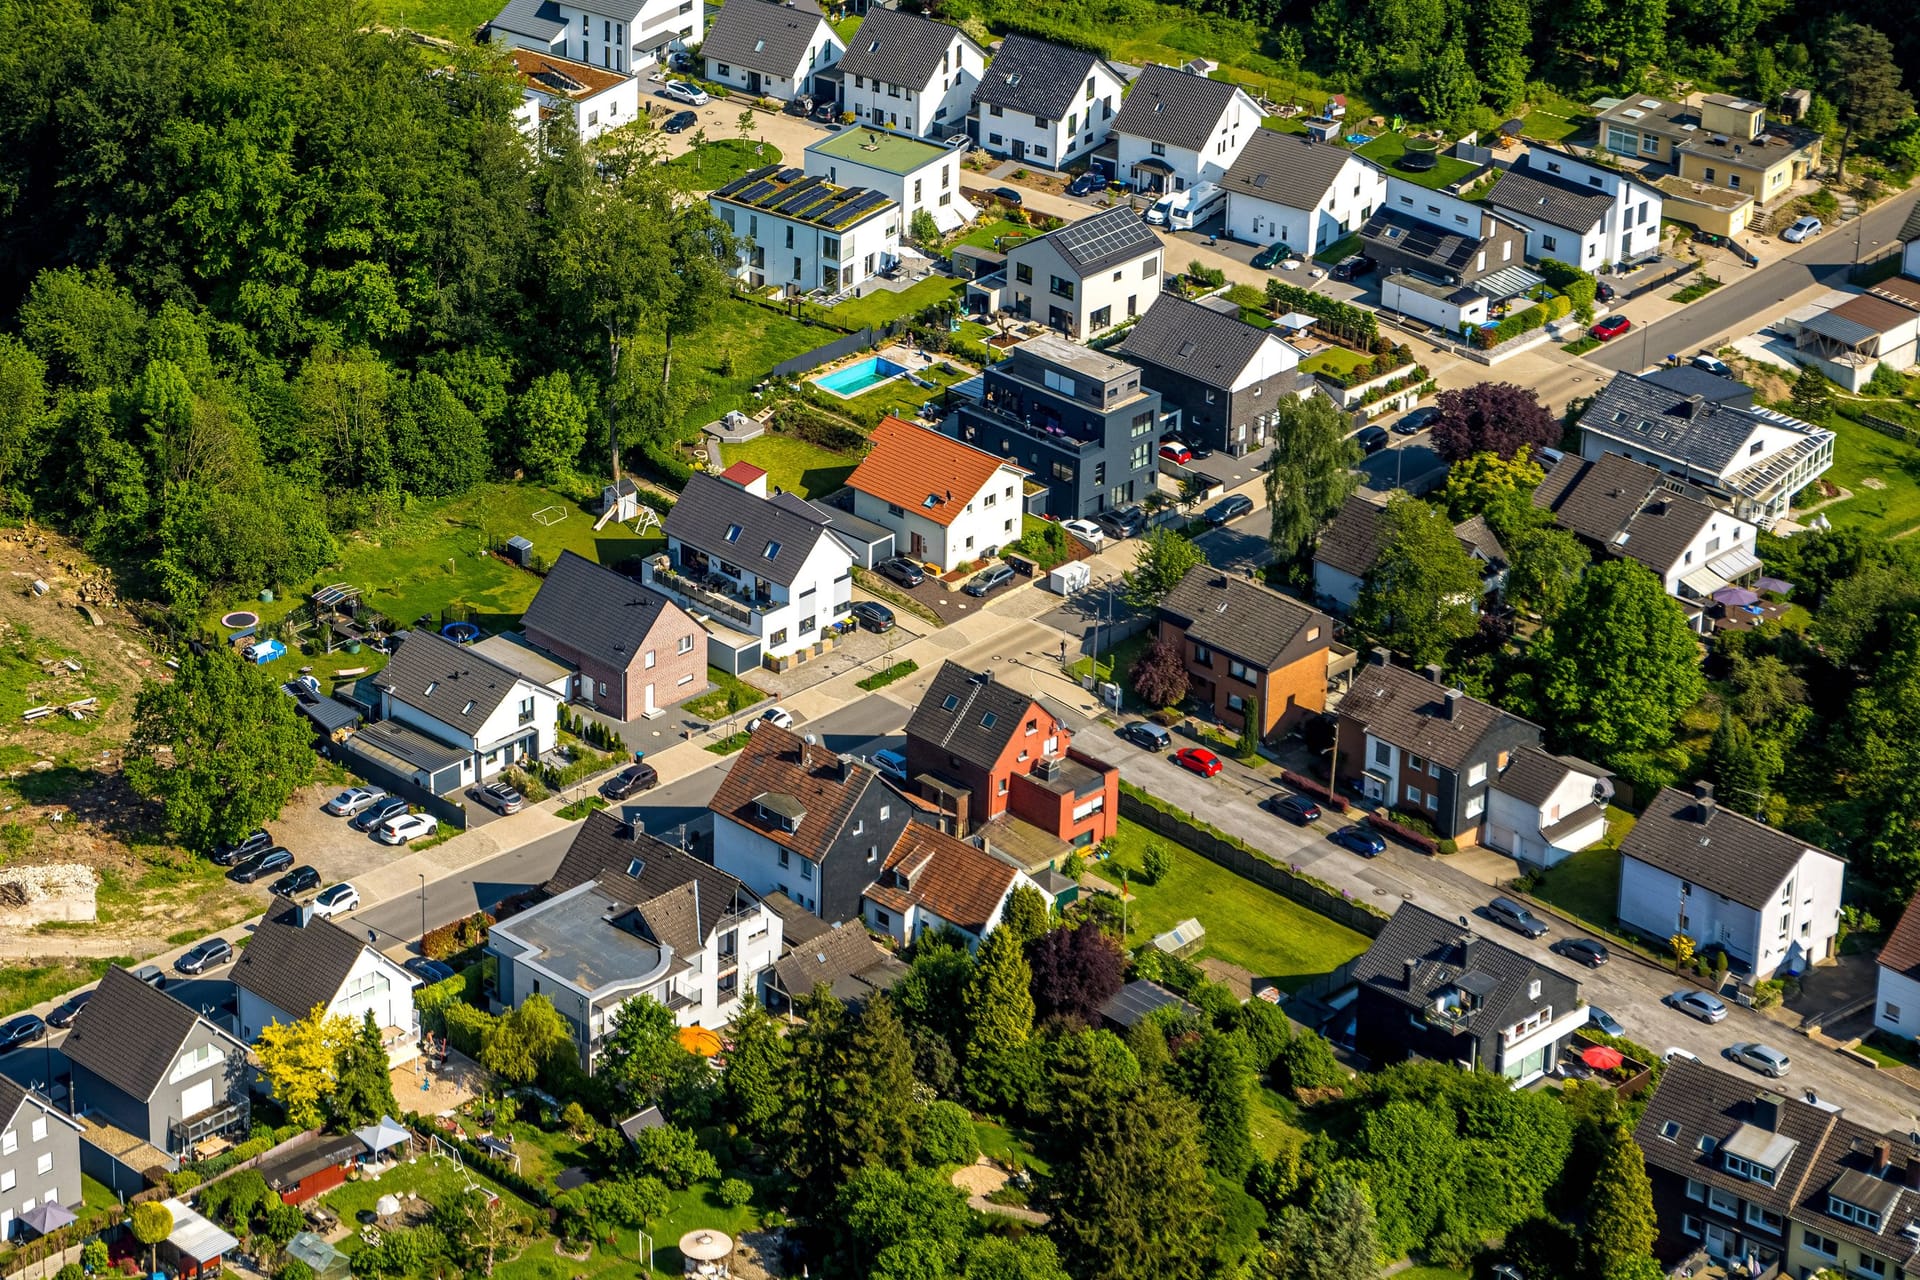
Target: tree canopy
(1309, 474)
(1491, 417)
(1423, 594)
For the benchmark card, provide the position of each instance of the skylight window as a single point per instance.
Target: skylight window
(759, 46)
(1013, 79)
(633, 868)
(733, 533)
(986, 721)
(953, 700)
(773, 550)
(1670, 1130)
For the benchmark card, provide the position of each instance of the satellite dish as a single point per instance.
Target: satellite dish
(810, 740)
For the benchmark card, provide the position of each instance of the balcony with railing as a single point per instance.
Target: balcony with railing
(713, 593)
(184, 1135)
(1006, 411)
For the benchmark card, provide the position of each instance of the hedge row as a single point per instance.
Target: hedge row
(466, 1027)
(1319, 791)
(450, 939)
(1537, 316)
(1348, 321)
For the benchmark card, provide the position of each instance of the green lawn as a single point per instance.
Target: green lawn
(715, 367)
(1587, 885)
(902, 398)
(729, 694)
(1889, 1050)
(794, 465)
(1336, 360)
(1431, 1273)
(710, 167)
(1882, 474)
(432, 1179)
(1270, 1118)
(883, 305)
(1543, 125)
(454, 20)
(1387, 149)
(1246, 925)
(985, 233)
(1344, 247)
(1114, 657)
(845, 27)
(1010, 1146)
(22, 986)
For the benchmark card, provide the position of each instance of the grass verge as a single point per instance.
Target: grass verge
(580, 808)
(881, 679)
(731, 743)
(22, 987)
(1581, 345)
(730, 695)
(880, 589)
(1698, 289)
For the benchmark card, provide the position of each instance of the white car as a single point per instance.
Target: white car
(1764, 1058)
(1675, 1053)
(691, 94)
(1087, 531)
(778, 717)
(408, 826)
(353, 800)
(337, 901)
(1803, 229)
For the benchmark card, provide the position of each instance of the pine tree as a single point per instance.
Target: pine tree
(999, 1005)
(811, 1125)
(1027, 913)
(1214, 1073)
(363, 1087)
(754, 1086)
(1333, 1239)
(1736, 767)
(1620, 1223)
(878, 1115)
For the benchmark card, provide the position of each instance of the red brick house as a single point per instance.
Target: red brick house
(1243, 643)
(633, 649)
(977, 748)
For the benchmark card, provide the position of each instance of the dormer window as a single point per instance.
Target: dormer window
(1847, 1211)
(1740, 1167)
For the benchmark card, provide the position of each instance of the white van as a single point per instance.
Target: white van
(1157, 214)
(1195, 205)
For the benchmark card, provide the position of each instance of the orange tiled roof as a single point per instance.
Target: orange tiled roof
(949, 877)
(921, 470)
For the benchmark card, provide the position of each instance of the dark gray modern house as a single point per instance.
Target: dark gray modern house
(1080, 421)
(1223, 375)
(39, 1162)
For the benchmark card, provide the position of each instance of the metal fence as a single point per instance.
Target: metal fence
(838, 349)
(448, 809)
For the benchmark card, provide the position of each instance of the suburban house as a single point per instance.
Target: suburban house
(910, 74)
(594, 100)
(627, 915)
(947, 503)
(769, 49)
(1179, 128)
(1078, 420)
(1349, 549)
(803, 233)
(1247, 648)
(1689, 381)
(764, 572)
(39, 1162)
(1744, 1172)
(1081, 279)
(1430, 987)
(1620, 507)
(1770, 901)
(1224, 376)
(627, 36)
(1750, 461)
(1545, 808)
(149, 1067)
(913, 174)
(798, 819)
(1578, 213)
(1444, 260)
(978, 748)
(931, 880)
(1848, 337)
(1408, 740)
(1286, 188)
(484, 716)
(633, 650)
(1736, 148)
(844, 958)
(1650, 130)
(1897, 1000)
(1909, 239)
(1043, 102)
(296, 962)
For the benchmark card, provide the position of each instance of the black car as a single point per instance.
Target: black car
(1367, 844)
(264, 863)
(1295, 809)
(1008, 195)
(1416, 422)
(1148, 735)
(825, 112)
(680, 122)
(988, 579)
(631, 780)
(1229, 508)
(24, 1029)
(903, 571)
(872, 615)
(429, 971)
(65, 1013)
(1123, 522)
(1085, 185)
(296, 882)
(1588, 952)
(800, 106)
(1371, 439)
(369, 819)
(225, 855)
(500, 797)
(1603, 292)
(1355, 267)
(210, 954)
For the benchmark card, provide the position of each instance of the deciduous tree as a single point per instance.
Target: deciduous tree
(1474, 484)
(1075, 972)
(1422, 596)
(524, 1041)
(300, 1059)
(551, 427)
(643, 1056)
(1491, 417)
(151, 1222)
(1309, 474)
(1162, 559)
(1542, 566)
(1160, 674)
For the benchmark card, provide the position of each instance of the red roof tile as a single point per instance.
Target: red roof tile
(924, 471)
(932, 870)
(742, 473)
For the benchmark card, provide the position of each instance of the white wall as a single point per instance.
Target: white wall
(1337, 585)
(978, 526)
(931, 186)
(1514, 826)
(1910, 260)
(860, 251)
(618, 34)
(1108, 289)
(607, 110)
(1188, 167)
(374, 983)
(1057, 142)
(1631, 229)
(754, 860)
(931, 110)
(823, 51)
(1721, 534)
(1897, 1004)
(1397, 296)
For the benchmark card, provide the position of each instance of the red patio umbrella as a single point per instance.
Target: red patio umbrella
(1602, 1057)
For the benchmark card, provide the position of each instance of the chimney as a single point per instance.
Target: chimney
(1432, 671)
(843, 768)
(302, 916)
(1694, 407)
(1913, 1173)
(1381, 658)
(1882, 1156)
(1454, 698)
(983, 677)
(1410, 966)
(632, 829)
(1703, 802)
(1766, 1111)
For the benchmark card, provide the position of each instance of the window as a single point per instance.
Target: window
(1158, 148)
(686, 644)
(1766, 1219)
(1148, 270)
(1203, 655)
(806, 625)
(1239, 670)
(1696, 1190)
(1549, 244)
(1846, 1210)
(1416, 763)
(40, 1128)
(1382, 754)
(1476, 806)
(7, 1180)
(1236, 703)
(45, 1163)
(1059, 287)
(882, 919)
(1825, 1245)
(1871, 1265)
(1752, 1172)
(1476, 775)
(1690, 1225)
(1101, 319)
(1413, 794)
(778, 638)
(1023, 272)
(1723, 1202)
(1890, 1011)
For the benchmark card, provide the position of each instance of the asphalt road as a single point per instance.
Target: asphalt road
(1746, 303)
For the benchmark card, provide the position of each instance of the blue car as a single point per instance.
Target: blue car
(1600, 1020)
(1366, 843)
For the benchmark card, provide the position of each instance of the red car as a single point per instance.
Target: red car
(1197, 759)
(1610, 327)
(1175, 452)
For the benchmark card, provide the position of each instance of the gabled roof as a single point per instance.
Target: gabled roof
(130, 1034)
(449, 682)
(1351, 543)
(1197, 342)
(1702, 434)
(1902, 950)
(741, 528)
(781, 767)
(1447, 956)
(844, 957)
(970, 715)
(1684, 379)
(932, 475)
(1411, 712)
(294, 966)
(1703, 842)
(1478, 537)
(1627, 507)
(1910, 229)
(1037, 78)
(1240, 617)
(899, 48)
(606, 615)
(1533, 774)
(763, 35)
(1288, 169)
(650, 874)
(14, 1095)
(933, 871)
(1108, 238)
(1181, 110)
(1538, 196)
(540, 19)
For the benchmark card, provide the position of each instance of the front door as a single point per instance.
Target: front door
(919, 548)
(753, 82)
(648, 709)
(1019, 148)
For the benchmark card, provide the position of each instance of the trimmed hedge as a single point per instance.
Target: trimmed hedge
(467, 1028)
(1348, 321)
(1319, 791)
(451, 939)
(1537, 316)
(1406, 835)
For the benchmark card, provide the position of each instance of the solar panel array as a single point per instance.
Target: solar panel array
(1103, 237)
(790, 194)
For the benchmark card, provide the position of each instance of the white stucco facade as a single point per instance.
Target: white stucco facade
(1797, 926)
(1045, 286)
(990, 519)
(934, 109)
(928, 179)
(522, 726)
(763, 865)
(1053, 143)
(823, 51)
(617, 35)
(1628, 231)
(1521, 830)
(374, 985)
(1207, 163)
(776, 250)
(905, 926)
(1896, 1006)
(1446, 307)
(1348, 202)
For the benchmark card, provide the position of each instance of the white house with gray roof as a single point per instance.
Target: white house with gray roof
(1178, 129)
(297, 962)
(1044, 103)
(1579, 213)
(763, 573)
(1544, 808)
(1083, 278)
(627, 36)
(769, 49)
(910, 74)
(798, 231)
(1286, 187)
(485, 715)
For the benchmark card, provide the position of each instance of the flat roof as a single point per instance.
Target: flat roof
(879, 150)
(1071, 355)
(577, 942)
(791, 194)
(511, 650)
(562, 77)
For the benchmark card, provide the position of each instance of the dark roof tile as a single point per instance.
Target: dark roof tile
(450, 682)
(130, 1034)
(709, 509)
(898, 48)
(970, 715)
(1351, 543)
(1445, 953)
(1288, 169)
(294, 966)
(1240, 617)
(1169, 105)
(763, 35)
(1032, 77)
(1197, 342)
(604, 614)
(636, 868)
(1706, 843)
(1410, 711)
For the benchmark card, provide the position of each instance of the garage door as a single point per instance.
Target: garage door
(197, 1098)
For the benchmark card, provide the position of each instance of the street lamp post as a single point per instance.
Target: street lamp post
(423, 912)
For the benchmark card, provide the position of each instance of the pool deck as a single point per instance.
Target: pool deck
(906, 358)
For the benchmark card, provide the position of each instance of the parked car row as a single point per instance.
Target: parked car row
(386, 818)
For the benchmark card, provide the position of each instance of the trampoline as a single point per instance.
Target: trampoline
(240, 620)
(460, 632)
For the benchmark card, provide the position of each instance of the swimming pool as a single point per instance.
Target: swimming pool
(862, 375)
